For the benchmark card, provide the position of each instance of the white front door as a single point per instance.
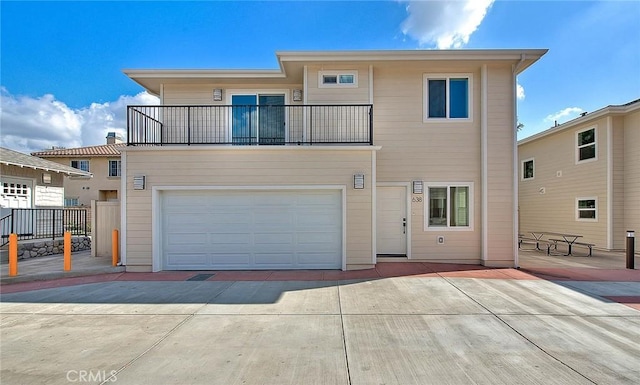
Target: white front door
(391, 220)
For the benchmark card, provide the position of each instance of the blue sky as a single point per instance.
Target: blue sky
(61, 62)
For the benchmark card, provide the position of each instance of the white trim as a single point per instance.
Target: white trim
(446, 76)
(337, 73)
(593, 198)
(407, 187)
(595, 143)
(609, 183)
(448, 185)
(232, 147)
(123, 209)
(370, 84)
(156, 214)
(374, 208)
(162, 93)
(305, 99)
(484, 154)
(522, 162)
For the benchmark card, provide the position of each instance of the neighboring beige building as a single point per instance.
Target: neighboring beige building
(583, 177)
(101, 161)
(337, 160)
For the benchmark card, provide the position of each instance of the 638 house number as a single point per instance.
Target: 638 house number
(416, 199)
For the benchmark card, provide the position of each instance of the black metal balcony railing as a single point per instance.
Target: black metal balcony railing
(250, 124)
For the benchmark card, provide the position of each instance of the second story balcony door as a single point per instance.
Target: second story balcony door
(258, 119)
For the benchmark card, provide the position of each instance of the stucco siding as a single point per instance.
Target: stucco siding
(248, 167)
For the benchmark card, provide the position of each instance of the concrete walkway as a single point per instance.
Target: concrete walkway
(401, 323)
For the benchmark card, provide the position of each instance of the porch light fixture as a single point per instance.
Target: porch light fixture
(297, 95)
(46, 178)
(217, 95)
(358, 181)
(417, 187)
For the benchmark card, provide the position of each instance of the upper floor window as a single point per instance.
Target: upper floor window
(449, 206)
(114, 168)
(447, 96)
(586, 145)
(80, 164)
(337, 79)
(71, 202)
(527, 169)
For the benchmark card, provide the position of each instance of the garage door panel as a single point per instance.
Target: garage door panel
(274, 259)
(188, 259)
(222, 229)
(241, 260)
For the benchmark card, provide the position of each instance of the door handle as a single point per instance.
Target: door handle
(404, 225)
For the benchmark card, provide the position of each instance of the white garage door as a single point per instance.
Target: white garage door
(248, 229)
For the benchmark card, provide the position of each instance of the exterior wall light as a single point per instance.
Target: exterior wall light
(417, 187)
(297, 95)
(217, 95)
(358, 181)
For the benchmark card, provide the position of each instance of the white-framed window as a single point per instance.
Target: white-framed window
(115, 168)
(587, 209)
(586, 145)
(527, 169)
(448, 97)
(449, 206)
(82, 164)
(337, 79)
(71, 202)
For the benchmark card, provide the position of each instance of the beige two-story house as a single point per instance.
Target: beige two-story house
(583, 177)
(102, 161)
(335, 160)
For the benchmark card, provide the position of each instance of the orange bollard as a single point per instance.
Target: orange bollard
(13, 255)
(67, 251)
(114, 247)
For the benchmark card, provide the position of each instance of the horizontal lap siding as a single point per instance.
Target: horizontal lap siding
(432, 152)
(555, 210)
(202, 94)
(618, 154)
(500, 142)
(239, 167)
(337, 94)
(632, 174)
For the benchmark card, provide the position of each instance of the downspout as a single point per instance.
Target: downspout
(516, 260)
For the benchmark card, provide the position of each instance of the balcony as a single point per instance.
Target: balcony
(250, 125)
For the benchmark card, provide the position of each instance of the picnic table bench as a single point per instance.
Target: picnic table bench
(569, 239)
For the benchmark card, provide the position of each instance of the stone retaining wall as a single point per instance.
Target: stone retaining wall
(50, 247)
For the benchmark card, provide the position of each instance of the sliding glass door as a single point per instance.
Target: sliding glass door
(258, 119)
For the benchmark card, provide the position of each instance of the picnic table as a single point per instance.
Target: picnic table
(570, 239)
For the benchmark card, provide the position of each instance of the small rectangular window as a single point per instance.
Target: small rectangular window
(449, 207)
(337, 79)
(586, 148)
(447, 97)
(71, 202)
(114, 168)
(587, 209)
(527, 169)
(80, 164)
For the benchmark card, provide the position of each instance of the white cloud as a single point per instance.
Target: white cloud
(520, 92)
(564, 115)
(447, 23)
(33, 124)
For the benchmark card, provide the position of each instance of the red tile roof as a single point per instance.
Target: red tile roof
(103, 150)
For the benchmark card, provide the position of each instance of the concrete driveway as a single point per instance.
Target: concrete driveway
(435, 327)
